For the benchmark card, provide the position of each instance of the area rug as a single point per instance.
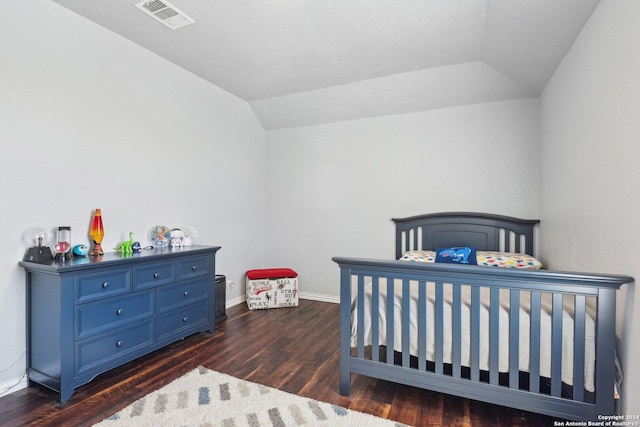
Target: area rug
(206, 398)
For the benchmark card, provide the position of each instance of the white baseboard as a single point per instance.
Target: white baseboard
(13, 385)
(320, 297)
(235, 301)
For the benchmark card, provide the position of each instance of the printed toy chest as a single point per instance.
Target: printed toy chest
(272, 288)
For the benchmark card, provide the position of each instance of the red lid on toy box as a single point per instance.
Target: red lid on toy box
(271, 273)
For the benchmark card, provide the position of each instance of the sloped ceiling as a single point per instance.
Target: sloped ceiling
(305, 62)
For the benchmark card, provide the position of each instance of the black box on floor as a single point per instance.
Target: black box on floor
(221, 297)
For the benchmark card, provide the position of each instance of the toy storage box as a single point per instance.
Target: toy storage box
(272, 288)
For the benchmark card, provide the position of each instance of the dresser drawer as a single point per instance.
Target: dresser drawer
(182, 322)
(106, 348)
(104, 284)
(193, 267)
(103, 315)
(152, 275)
(179, 294)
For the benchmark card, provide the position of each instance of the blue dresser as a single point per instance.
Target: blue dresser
(89, 315)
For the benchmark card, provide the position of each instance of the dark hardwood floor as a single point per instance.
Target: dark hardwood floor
(292, 349)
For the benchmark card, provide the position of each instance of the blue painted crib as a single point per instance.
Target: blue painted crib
(525, 339)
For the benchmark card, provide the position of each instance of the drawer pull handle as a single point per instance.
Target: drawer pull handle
(186, 293)
(119, 311)
(194, 268)
(156, 275)
(119, 344)
(184, 319)
(105, 285)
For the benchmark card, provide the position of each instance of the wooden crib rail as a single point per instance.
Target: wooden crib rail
(581, 286)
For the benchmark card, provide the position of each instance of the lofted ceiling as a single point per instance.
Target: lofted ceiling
(305, 62)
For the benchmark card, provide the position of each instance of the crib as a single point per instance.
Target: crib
(522, 338)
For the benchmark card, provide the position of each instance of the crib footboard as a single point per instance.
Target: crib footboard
(425, 325)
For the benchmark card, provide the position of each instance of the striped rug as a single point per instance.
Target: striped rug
(206, 398)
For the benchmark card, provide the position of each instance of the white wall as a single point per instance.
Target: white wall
(333, 188)
(89, 120)
(590, 136)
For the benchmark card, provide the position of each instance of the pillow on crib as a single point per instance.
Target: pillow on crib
(483, 258)
(457, 255)
(508, 260)
(419, 256)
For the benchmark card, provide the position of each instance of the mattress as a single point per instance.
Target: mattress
(524, 313)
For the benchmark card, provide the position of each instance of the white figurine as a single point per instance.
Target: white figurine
(176, 238)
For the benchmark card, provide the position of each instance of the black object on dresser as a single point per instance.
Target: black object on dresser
(88, 315)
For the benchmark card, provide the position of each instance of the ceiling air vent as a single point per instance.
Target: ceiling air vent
(165, 13)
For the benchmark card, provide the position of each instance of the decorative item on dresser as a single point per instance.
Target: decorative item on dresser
(37, 241)
(89, 315)
(96, 231)
(523, 338)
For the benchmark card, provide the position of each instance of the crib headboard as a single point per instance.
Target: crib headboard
(486, 232)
